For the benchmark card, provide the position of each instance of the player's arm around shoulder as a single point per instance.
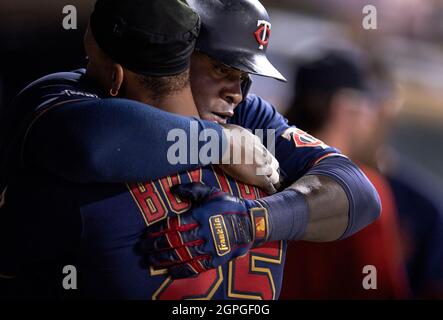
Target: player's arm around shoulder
(339, 199)
(333, 201)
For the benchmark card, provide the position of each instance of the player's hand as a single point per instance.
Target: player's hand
(249, 161)
(218, 229)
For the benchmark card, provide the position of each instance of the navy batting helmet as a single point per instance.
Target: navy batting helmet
(236, 33)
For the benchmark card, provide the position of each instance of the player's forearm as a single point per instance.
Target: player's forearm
(109, 140)
(334, 200)
(328, 208)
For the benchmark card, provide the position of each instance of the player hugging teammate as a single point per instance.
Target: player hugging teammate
(88, 182)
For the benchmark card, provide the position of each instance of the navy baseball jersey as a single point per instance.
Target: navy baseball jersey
(114, 223)
(66, 214)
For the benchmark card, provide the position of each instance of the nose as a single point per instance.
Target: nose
(232, 93)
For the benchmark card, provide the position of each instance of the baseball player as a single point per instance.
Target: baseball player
(331, 189)
(219, 68)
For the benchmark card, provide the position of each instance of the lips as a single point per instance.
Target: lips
(222, 117)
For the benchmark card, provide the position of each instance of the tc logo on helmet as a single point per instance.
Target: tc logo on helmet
(263, 33)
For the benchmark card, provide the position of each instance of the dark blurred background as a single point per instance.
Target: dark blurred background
(408, 39)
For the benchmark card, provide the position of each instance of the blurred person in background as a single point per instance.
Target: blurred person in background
(348, 100)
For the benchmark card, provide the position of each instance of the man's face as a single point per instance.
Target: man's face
(216, 88)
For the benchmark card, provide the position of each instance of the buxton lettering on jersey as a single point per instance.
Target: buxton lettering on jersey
(256, 275)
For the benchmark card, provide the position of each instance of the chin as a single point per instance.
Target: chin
(205, 116)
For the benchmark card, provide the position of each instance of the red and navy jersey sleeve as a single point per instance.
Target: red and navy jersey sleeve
(28, 107)
(296, 150)
(43, 94)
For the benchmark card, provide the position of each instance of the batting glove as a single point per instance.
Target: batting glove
(218, 229)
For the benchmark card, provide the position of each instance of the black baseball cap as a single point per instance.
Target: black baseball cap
(149, 37)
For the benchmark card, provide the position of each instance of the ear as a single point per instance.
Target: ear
(117, 77)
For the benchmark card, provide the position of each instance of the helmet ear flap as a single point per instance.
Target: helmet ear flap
(246, 86)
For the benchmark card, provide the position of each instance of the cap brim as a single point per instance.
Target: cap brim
(255, 64)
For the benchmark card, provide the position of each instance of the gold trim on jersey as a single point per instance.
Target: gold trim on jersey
(209, 296)
(149, 203)
(255, 257)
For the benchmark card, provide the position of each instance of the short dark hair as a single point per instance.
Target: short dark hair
(161, 87)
